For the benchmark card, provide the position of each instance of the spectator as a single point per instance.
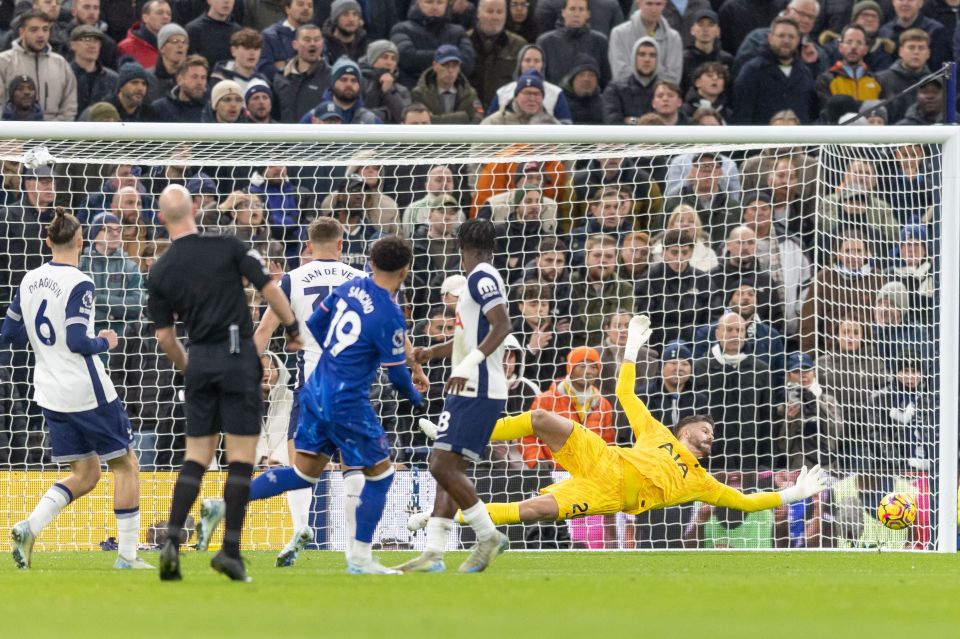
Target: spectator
(647, 22)
(226, 104)
(383, 95)
(344, 92)
(849, 372)
(778, 255)
(210, 34)
(497, 177)
(438, 188)
(763, 340)
(246, 219)
(680, 166)
(641, 189)
(604, 15)
(531, 58)
(903, 415)
(849, 75)
(141, 40)
(549, 270)
(673, 293)
(435, 247)
(703, 46)
(790, 210)
(521, 20)
(908, 15)
(437, 328)
(126, 206)
(670, 395)
(544, 336)
(22, 102)
(701, 189)
(382, 210)
(739, 18)
(873, 113)
(611, 356)
(349, 205)
(609, 213)
(279, 37)
(597, 290)
(119, 283)
(282, 203)
(343, 32)
(87, 12)
(451, 289)
(867, 15)
(685, 218)
(805, 13)
(498, 50)
(59, 38)
(914, 269)
(740, 262)
(857, 206)
(776, 79)
(527, 192)
(259, 102)
(847, 287)
(521, 231)
(185, 101)
(894, 325)
(738, 387)
(172, 45)
(445, 90)
(709, 91)
(32, 55)
(22, 225)
(581, 87)
(627, 98)
(245, 47)
(130, 97)
(667, 101)
(300, 85)
(521, 390)
(526, 107)
(95, 82)
(910, 68)
(928, 109)
(635, 256)
(426, 28)
(573, 36)
(116, 177)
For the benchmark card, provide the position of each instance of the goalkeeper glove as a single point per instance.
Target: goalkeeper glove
(466, 368)
(638, 333)
(808, 484)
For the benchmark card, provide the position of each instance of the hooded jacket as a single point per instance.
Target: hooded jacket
(585, 109)
(51, 73)
(631, 96)
(141, 44)
(418, 37)
(334, 49)
(10, 113)
(553, 99)
(562, 46)
(466, 110)
(623, 50)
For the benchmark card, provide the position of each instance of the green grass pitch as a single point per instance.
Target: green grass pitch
(585, 595)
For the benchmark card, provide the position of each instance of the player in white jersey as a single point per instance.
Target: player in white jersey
(53, 310)
(476, 395)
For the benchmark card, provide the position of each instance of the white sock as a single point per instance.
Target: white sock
(298, 501)
(479, 519)
(438, 532)
(128, 532)
(359, 551)
(53, 501)
(352, 487)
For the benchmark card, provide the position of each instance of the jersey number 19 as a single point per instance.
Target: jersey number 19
(344, 329)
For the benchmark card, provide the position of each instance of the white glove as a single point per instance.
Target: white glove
(429, 428)
(468, 366)
(808, 484)
(638, 333)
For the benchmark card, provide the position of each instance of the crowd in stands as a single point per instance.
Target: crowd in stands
(798, 310)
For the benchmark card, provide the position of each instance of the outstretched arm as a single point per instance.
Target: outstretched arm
(637, 412)
(808, 484)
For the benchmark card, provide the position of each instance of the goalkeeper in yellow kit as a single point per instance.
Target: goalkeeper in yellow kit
(660, 470)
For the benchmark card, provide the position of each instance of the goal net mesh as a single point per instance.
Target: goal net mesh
(793, 291)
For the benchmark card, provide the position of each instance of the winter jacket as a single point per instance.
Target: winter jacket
(143, 113)
(497, 58)
(55, 82)
(284, 218)
(834, 294)
(380, 211)
(171, 108)
(878, 58)
(761, 90)
(387, 106)
(669, 408)
(913, 117)
(763, 342)
(260, 14)
(623, 52)
(851, 377)
(334, 49)
(211, 38)
(717, 216)
(940, 40)
(591, 226)
(97, 86)
(681, 22)
(739, 17)
(562, 46)
(840, 79)
(356, 113)
(628, 97)
(545, 365)
(677, 303)
(595, 414)
(108, 46)
(10, 114)
(554, 101)
(296, 93)
(378, 16)
(141, 44)
(590, 306)
(510, 113)
(119, 287)
(585, 109)
(22, 231)
(811, 437)
(160, 81)
(277, 47)
(466, 110)
(694, 57)
(693, 101)
(418, 37)
(498, 208)
(756, 43)
(119, 15)
(728, 276)
(604, 14)
(902, 426)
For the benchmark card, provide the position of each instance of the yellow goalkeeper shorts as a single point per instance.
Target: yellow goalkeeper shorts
(596, 487)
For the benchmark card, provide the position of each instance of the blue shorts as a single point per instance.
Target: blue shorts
(466, 423)
(361, 445)
(294, 414)
(104, 431)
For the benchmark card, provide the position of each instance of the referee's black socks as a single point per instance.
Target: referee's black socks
(185, 492)
(236, 494)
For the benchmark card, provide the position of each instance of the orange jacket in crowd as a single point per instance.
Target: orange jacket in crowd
(497, 177)
(597, 415)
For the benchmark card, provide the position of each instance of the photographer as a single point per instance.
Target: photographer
(807, 422)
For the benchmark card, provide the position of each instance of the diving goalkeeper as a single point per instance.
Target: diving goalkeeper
(660, 470)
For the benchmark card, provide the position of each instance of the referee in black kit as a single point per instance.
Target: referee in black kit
(199, 281)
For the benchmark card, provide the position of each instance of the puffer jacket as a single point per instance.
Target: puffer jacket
(418, 37)
(56, 84)
(841, 79)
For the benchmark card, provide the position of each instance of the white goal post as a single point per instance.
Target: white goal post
(319, 160)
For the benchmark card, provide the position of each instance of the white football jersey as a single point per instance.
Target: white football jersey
(305, 287)
(484, 290)
(51, 298)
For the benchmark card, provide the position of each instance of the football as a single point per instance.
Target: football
(897, 511)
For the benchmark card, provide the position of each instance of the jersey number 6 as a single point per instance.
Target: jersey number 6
(44, 326)
(344, 330)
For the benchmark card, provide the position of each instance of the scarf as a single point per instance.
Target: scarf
(727, 360)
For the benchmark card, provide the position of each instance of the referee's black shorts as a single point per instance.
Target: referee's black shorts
(223, 391)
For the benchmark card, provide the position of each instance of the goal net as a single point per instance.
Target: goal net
(794, 285)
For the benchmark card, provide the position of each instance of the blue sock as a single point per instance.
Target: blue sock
(373, 499)
(276, 481)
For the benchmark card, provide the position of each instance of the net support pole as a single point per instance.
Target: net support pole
(950, 115)
(949, 345)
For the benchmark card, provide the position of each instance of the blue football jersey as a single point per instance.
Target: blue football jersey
(359, 328)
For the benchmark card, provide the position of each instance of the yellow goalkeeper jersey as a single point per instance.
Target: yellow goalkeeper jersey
(666, 472)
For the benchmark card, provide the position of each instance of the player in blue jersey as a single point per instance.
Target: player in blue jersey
(360, 328)
(53, 310)
(476, 395)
